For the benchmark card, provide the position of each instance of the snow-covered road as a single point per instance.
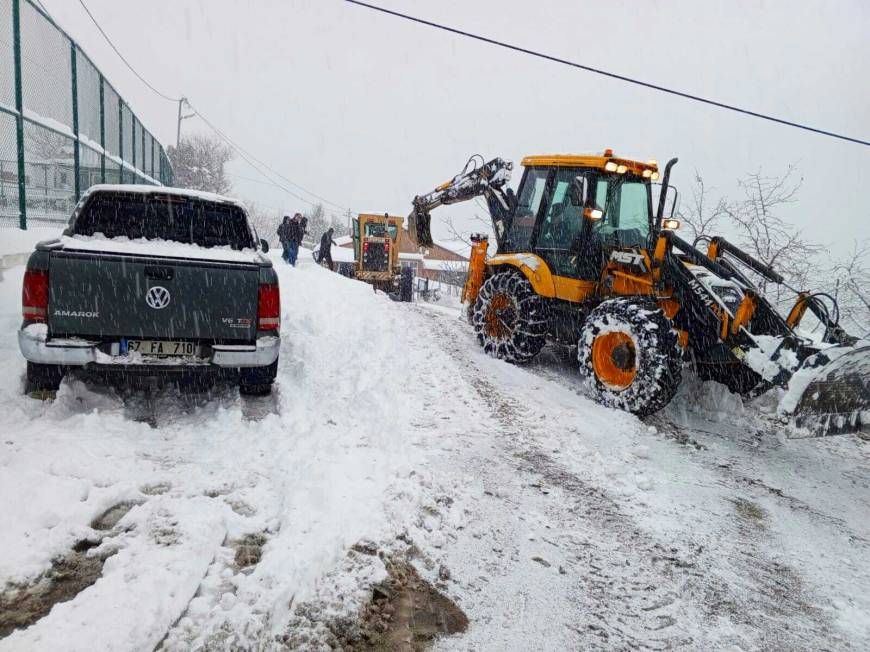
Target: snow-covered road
(554, 523)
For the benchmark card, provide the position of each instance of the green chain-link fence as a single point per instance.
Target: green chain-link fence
(63, 127)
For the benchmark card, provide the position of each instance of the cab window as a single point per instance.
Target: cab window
(528, 202)
(374, 230)
(626, 221)
(563, 220)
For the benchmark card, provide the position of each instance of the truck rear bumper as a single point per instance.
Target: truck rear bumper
(79, 353)
(264, 353)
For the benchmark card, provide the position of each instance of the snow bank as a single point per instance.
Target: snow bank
(18, 241)
(327, 462)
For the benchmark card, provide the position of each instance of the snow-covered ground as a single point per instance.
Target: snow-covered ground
(554, 523)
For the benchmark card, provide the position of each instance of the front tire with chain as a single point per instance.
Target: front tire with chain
(629, 355)
(510, 320)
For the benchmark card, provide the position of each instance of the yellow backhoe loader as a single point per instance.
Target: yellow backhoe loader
(582, 259)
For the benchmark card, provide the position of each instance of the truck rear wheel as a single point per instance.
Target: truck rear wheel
(509, 318)
(629, 354)
(257, 381)
(43, 377)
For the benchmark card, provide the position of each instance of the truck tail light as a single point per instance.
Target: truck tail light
(365, 246)
(34, 295)
(387, 246)
(269, 308)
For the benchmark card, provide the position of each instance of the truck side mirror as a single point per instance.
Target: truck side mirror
(264, 245)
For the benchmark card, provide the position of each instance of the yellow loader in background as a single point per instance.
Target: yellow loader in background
(376, 244)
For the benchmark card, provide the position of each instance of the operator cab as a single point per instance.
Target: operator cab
(572, 210)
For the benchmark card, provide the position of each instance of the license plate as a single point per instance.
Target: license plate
(162, 347)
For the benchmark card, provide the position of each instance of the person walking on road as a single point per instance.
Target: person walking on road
(284, 237)
(325, 252)
(295, 233)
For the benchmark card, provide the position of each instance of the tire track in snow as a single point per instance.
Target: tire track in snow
(648, 606)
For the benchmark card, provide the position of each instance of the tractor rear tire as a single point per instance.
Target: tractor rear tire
(629, 354)
(510, 320)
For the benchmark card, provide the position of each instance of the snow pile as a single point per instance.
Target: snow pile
(330, 461)
(18, 241)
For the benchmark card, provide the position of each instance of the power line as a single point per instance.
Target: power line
(247, 156)
(269, 183)
(121, 56)
(265, 165)
(606, 73)
(241, 151)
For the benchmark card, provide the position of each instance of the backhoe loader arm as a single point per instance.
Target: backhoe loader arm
(476, 179)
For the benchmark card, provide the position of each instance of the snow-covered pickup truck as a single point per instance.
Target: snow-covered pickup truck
(152, 281)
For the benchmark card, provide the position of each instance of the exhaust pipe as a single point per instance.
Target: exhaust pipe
(663, 195)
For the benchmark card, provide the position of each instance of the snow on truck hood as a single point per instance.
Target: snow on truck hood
(166, 248)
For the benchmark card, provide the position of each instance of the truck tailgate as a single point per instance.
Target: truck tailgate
(113, 296)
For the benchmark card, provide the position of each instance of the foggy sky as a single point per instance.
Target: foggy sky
(369, 110)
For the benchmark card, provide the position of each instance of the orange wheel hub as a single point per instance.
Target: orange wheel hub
(614, 359)
(499, 315)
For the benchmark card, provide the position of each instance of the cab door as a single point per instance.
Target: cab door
(559, 236)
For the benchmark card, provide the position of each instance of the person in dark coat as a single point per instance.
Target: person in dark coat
(295, 233)
(284, 237)
(325, 253)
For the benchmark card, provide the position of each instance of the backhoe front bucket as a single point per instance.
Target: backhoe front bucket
(830, 394)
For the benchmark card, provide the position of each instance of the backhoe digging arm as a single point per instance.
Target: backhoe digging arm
(476, 179)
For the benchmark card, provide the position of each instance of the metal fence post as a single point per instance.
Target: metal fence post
(121, 139)
(75, 119)
(102, 131)
(133, 140)
(19, 106)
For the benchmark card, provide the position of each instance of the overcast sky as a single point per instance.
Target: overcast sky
(368, 110)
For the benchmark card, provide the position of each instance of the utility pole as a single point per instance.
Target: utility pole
(181, 103)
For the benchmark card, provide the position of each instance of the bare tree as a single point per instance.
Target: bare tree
(341, 224)
(704, 213)
(849, 283)
(199, 163)
(318, 223)
(45, 146)
(265, 221)
(464, 235)
(768, 237)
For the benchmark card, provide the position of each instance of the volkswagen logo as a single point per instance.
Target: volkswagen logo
(157, 297)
